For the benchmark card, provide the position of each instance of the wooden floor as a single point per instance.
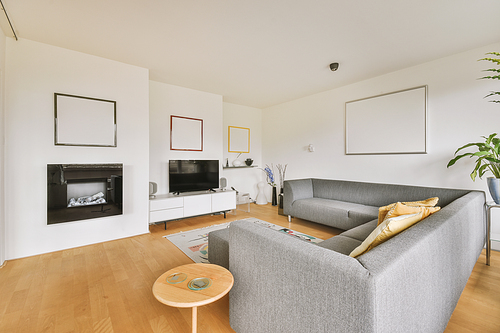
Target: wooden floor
(107, 287)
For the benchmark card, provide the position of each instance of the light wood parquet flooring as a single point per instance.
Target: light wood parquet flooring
(106, 287)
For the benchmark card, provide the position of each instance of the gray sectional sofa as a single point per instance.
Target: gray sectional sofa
(410, 283)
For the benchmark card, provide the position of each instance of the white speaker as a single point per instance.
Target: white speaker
(153, 187)
(223, 183)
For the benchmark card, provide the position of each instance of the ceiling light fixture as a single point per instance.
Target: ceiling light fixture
(334, 66)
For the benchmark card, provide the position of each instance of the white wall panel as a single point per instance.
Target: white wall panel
(457, 114)
(34, 72)
(166, 100)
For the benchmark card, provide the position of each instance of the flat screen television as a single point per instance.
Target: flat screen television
(192, 175)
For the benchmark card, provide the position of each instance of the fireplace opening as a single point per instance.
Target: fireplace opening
(83, 191)
(83, 194)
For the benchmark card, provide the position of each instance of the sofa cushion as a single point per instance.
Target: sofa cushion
(362, 231)
(338, 214)
(340, 244)
(382, 211)
(386, 230)
(402, 209)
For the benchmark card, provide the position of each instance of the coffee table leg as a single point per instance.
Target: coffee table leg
(195, 318)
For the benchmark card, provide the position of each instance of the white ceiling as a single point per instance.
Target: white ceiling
(261, 52)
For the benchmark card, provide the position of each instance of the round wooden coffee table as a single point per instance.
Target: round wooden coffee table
(193, 285)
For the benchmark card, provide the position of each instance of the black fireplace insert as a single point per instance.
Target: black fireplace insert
(83, 191)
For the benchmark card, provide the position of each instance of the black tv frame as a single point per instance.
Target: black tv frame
(193, 175)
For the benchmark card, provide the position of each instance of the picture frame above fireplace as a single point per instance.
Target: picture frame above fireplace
(84, 121)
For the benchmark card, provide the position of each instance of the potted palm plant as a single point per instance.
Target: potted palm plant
(488, 152)
(487, 159)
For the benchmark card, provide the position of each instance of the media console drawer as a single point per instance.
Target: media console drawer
(166, 203)
(166, 214)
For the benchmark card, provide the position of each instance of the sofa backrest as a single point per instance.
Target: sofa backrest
(375, 194)
(420, 273)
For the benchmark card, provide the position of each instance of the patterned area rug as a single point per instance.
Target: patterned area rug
(194, 243)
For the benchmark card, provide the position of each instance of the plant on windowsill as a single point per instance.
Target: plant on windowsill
(488, 152)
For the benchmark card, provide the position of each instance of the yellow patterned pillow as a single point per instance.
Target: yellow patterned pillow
(382, 211)
(386, 230)
(402, 209)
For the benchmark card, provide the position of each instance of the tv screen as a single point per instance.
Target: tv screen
(193, 175)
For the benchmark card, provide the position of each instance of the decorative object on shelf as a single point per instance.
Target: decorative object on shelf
(186, 133)
(227, 162)
(237, 162)
(488, 152)
(261, 196)
(248, 161)
(84, 121)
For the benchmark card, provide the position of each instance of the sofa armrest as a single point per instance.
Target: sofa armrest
(284, 284)
(295, 190)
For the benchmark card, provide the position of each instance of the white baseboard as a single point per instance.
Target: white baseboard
(495, 245)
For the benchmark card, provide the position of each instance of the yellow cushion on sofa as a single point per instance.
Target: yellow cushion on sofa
(382, 211)
(386, 230)
(402, 209)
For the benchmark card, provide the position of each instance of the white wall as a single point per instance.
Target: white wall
(34, 72)
(457, 114)
(244, 180)
(2, 147)
(166, 100)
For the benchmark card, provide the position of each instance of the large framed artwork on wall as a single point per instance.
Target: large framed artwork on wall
(186, 133)
(393, 123)
(84, 121)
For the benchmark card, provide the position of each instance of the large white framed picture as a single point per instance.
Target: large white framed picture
(393, 123)
(84, 121)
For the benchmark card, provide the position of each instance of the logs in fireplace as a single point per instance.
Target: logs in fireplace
(83, 191)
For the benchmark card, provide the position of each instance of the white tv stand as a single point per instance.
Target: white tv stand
(166, 207)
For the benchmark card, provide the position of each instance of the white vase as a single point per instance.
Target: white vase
(261, 196)
(236, 163)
